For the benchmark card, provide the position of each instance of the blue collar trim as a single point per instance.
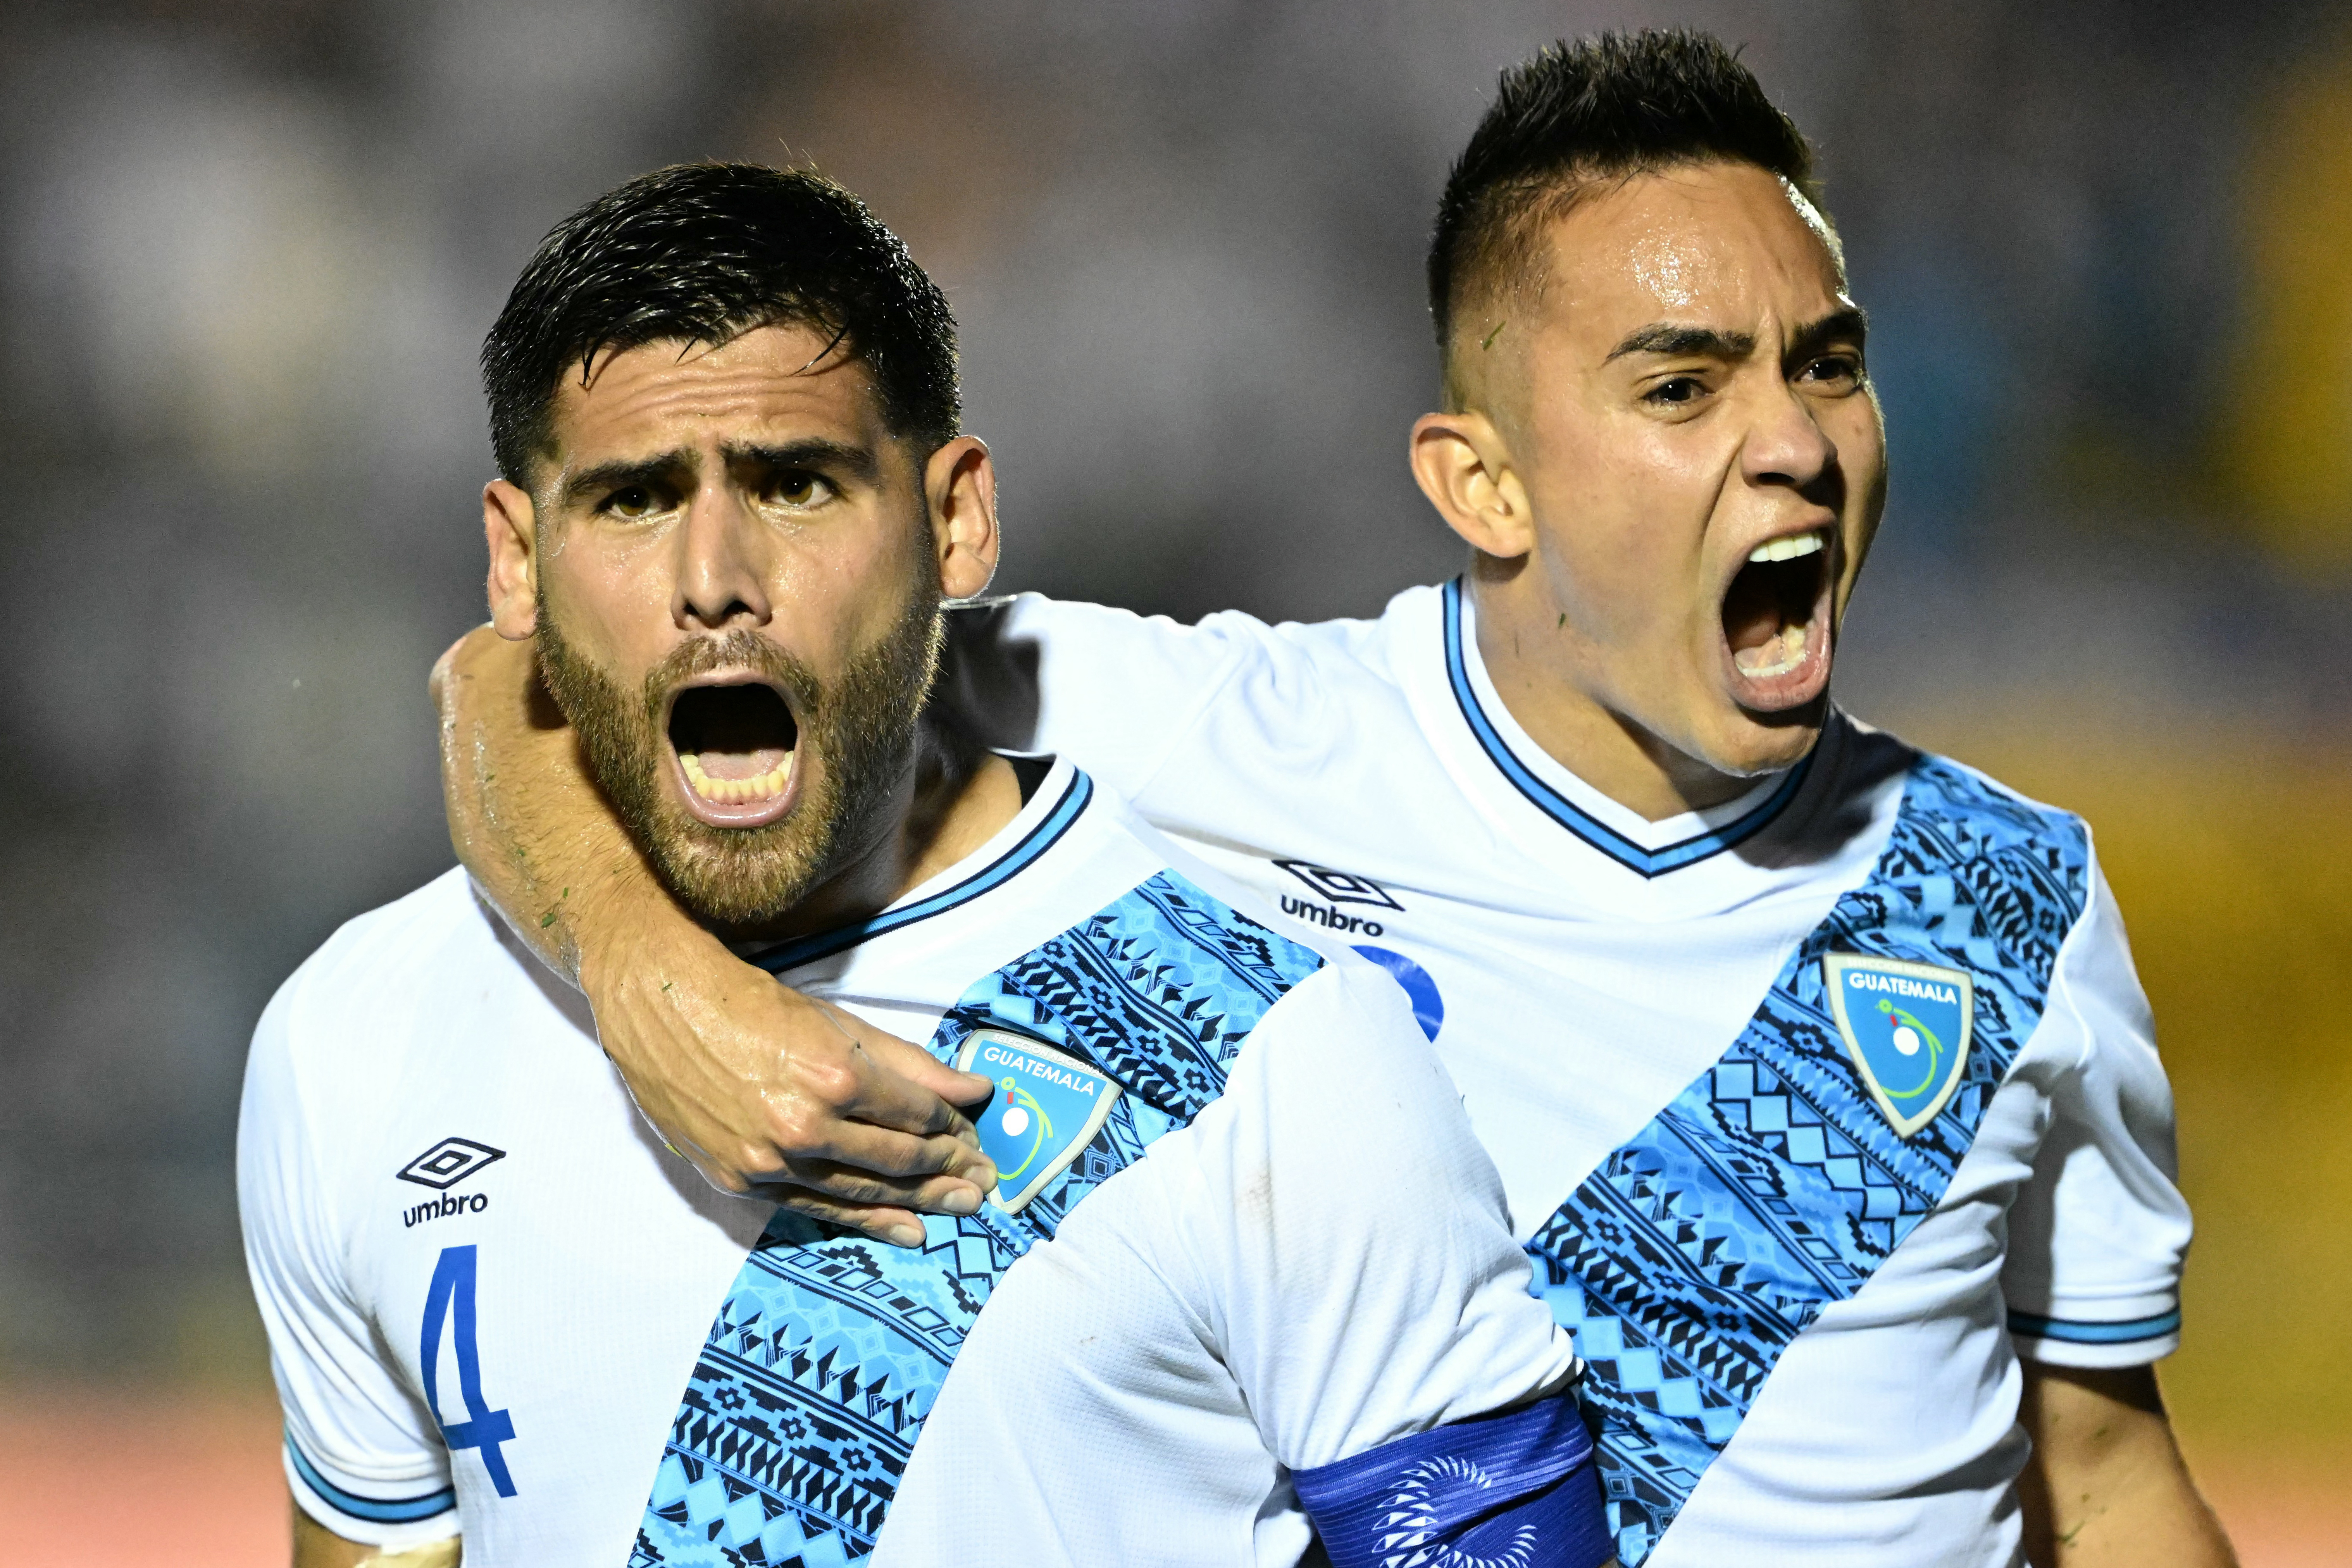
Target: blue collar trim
(1582, 822)
(1004, 869)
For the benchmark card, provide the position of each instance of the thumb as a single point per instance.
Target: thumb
(921, 1068)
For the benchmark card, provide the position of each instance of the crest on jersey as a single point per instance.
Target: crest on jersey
(1047, 1107)
(1907, 1027)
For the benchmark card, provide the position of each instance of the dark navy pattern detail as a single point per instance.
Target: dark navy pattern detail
(1773, 1187)
(1575, 818)
(830, 1349)
(2082, 1331)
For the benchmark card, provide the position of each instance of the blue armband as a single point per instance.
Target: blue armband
(1518, 1488)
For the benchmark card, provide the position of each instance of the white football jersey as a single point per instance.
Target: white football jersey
(1816, 1110)
(498, 1305)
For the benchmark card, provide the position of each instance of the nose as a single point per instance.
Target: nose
(720, 583)
(1786, 445)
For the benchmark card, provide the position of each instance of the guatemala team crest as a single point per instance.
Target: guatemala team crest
(1907, 1027)
(1047, 1107)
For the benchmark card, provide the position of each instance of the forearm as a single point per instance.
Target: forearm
(750, 1081)
(523, 818)
(2106, 1487)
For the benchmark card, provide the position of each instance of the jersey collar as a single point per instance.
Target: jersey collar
(1648, 851)
(1058, 804)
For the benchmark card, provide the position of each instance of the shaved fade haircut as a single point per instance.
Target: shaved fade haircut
(1578, 115)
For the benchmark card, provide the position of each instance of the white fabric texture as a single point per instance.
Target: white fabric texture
(1335, 769)
(1320, 1263)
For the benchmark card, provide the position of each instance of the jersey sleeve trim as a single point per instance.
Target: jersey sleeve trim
(1516, 1486)
(411, 1510)
(2082, 1332)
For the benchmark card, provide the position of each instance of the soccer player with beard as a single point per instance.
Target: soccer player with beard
(1816, 1068)
(732, 498)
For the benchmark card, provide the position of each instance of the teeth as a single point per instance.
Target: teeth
(1788, 548)
(1776, 656)
(735, 792)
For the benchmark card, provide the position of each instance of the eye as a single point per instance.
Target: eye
(796, 488)
(1834, 371)
(1676, 392)
(629, 501)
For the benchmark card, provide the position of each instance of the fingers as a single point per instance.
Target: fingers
(896, 1226)
(884, 1154)
(925, 1071)
(863, 1189)
(893, 1083)
(881, 1209)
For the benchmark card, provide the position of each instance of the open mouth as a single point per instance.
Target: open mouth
(1776, 618)
(735, 746)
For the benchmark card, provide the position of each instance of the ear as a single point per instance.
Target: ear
(960, 488)
(508, 523)
(1464, 467)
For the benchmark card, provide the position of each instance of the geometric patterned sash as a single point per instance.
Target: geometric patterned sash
(1773, 1185)
(830, 1349)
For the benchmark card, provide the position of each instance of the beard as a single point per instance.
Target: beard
(863, 727)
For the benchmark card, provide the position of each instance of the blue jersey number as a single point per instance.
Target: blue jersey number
(452, 1298)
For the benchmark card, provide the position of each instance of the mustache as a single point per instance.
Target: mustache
(738, 649)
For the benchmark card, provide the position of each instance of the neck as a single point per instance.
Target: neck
(1543, 671)
(955, 797)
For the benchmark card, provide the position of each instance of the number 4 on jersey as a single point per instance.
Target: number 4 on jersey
(452, 1298)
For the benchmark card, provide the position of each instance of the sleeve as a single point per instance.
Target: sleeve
(360, 1455)
(1113, 691)
(1344, 1237)
(2097, 1237)
(1348, 1248)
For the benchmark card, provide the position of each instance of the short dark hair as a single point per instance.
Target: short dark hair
(1605, 108)
(705, 252)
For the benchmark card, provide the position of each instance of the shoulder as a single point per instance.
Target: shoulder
(1231, 639)
(1957, 818)
(1951, 793)
(2005, 882)
(358, 1007)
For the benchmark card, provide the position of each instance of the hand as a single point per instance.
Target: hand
(763, 1090)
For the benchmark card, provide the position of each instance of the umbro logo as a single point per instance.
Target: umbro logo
(1337, 888)
(1340, 886)
(449, 1162)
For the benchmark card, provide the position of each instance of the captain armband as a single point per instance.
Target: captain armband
(1518, 1487)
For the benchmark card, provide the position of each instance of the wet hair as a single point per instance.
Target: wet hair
(703, 253)
(1600, 108)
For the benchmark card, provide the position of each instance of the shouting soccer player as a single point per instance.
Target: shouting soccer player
(724, 406)
(1815, 1067)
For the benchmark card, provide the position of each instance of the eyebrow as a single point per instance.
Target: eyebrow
(853, 462)
(859, 463)
(1853, 321)
(1714, 342)
(622, 474)
(1666, 338)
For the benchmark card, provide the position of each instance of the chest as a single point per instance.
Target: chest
(541, 1275)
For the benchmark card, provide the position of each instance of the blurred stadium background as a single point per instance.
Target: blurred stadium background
(248, 249)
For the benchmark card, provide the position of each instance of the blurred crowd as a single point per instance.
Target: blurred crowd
(249, 247)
